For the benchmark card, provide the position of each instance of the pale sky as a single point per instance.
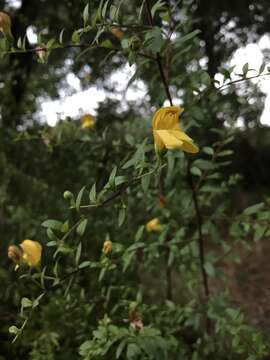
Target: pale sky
(87, 101)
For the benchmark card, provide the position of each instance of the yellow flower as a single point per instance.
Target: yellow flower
(107, 247)
(87, 121)
(31, 252)
(167, 132)
(5, 24)
(153, 225)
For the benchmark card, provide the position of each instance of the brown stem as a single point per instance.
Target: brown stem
(158, 58)
(199, 227)
(200, 244)
(70, 46)
(169, 279)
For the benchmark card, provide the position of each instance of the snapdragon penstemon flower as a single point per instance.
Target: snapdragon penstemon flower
(167, 132)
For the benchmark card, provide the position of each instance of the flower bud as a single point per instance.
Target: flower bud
(117, 33)
(5, 25)
(68, 195)
(87, 121)
(15, 254)
(153, 225)
(107, 247)
(162, 200)
(135, 43)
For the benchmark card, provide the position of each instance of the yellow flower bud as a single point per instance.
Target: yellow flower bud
(117, 33)
(153, 225)
(167, 132)
(87, 121)
(15, 254)
(107, 247)
(31, 252)
(5, 24)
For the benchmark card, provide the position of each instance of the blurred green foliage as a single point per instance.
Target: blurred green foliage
(145, 299)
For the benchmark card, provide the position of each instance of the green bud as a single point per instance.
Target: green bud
(68, 195)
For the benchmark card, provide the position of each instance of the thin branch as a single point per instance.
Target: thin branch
(224, 86)
(70, 46)
(199, 227)
(158, 57)
(122, 189)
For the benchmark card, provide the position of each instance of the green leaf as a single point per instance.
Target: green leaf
(93, 194)
(139, 233)
(118, 11)
(120, 348)
(225, 153)
(76, 36)
(205, 78)
(61, 36)
(65, 227)
(253, 209)
(53, 224)
(195, 171)
(133, 350)
(79, 199)
(262, 68)
(210, 270)
(81, 227)
(112, 176)
(136, 246)
(154, 40)
(86, 14)
(125, 43)
(158, 6)
(85, 264)
(208, 150)
(78, 253)
(113, 12)
(204, 164)
(187, 37)
(245, 69)
(51, 235)
(145, 181)
(26, 303)
(104, 9)
(120, 180)
(121, 216)
(259, 232)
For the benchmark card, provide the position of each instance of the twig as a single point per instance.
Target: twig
(200, 242)
(70, 46)
(121, 190)
(224, 86)
(158, 58)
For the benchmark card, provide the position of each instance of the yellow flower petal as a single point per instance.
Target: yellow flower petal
(166, 117)
(107, 247)
(87, 121)
(31, 252)
(167, 132)
(153, 225)
(175, 139)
